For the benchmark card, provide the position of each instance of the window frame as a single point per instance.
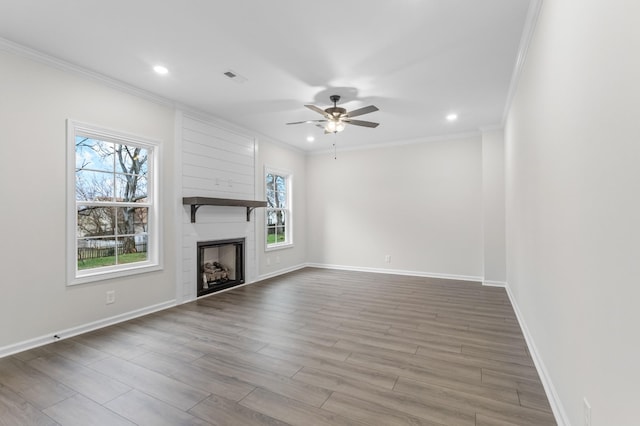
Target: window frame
(154, 237)
(289, 242)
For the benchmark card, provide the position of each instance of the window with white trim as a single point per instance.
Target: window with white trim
(112, 204)
(278, 212)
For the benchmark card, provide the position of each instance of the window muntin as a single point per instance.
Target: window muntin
(278, 211)
(113, 230)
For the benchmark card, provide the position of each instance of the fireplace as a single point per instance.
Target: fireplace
(220, 265)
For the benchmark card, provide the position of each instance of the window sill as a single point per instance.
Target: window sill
(107, 273)
(274, 247)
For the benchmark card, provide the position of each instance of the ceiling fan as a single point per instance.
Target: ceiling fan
(336, 117)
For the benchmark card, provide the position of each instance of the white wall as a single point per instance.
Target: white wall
(573, 209)
(35, 101)
(419, 203)
(493, 207)
(283, 158)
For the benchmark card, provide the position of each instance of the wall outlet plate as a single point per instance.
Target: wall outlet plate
(111, 297)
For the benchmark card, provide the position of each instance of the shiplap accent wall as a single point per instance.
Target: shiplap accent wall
(216, 162)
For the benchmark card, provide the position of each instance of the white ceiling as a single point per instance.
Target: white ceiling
(416, 60)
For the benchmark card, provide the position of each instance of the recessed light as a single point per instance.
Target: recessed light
(310, 139)
(161, 70)
(452, 117)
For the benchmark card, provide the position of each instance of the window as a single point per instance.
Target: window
(278, 211)
(112, 219)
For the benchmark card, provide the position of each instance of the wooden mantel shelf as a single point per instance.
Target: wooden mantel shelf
(197, 202)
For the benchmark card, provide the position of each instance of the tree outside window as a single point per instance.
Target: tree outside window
(278, 210)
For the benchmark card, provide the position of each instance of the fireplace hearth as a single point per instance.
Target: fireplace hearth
(220, 265)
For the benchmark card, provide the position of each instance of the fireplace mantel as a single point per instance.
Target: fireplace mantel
(197, 202)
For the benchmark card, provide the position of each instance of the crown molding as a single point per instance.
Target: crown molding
(37, 56)
(525, 41)
(416, 141)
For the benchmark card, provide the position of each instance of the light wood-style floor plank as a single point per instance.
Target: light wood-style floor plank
(224, 412)
(15, 410)
(199, 378)
(364, 374)
(143, 409)
(35, 386)
(259, 376)
(371, 413)
(158, 385)
(312, 347)
(292, 411)
(481, 404)
(81, 411)
(86, 381)
(430, 409)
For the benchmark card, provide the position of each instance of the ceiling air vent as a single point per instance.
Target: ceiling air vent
(234, 76)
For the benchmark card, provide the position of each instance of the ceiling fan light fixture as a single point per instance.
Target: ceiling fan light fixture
(334, 126)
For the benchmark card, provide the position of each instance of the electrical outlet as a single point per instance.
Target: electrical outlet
(587, 412)
(111, 297)
(268, 261)
(387, 258)
(277, 259)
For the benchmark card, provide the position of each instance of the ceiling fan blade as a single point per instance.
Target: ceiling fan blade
(317, 109)
(361, 123)
(307, 121)
(362, 111)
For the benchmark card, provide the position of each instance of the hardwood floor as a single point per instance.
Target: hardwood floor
(313, 347)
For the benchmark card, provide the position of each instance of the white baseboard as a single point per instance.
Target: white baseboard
(488, 283)
(397, 272)
(281, 272)
(74, 331)
(556, 405)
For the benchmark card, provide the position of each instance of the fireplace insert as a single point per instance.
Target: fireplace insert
(220, 265)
